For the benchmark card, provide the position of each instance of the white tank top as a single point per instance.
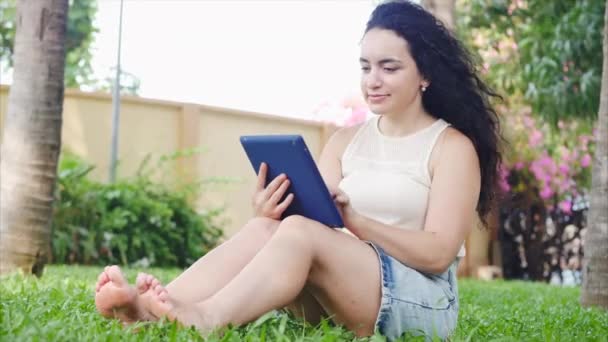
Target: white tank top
(387, 178)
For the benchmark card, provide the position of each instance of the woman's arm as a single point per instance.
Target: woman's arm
(450, 215)
(330, 165)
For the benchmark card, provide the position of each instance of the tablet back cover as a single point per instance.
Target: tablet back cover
(289, 154)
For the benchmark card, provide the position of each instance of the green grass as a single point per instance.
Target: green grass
(59, 307)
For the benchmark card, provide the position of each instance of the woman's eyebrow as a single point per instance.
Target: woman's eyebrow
(382, 61)
(389, 60)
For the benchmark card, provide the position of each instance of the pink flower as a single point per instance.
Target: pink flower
(546, 193)
(503, 185)
(586, 160)
(545, 160)
(564, 169)
(357, 115)
(543, 169)
(503, 174)
(566, 206)
(537, 171)
(565, 153)
(519, 166)
(565, 185)
(584, 140)
(535, 138)
(547, 164)
(528, 121)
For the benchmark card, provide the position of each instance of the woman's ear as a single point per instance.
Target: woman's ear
(425, 84)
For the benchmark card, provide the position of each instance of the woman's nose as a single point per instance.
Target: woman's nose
(373, 80)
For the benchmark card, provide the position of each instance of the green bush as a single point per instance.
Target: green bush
(134, 220)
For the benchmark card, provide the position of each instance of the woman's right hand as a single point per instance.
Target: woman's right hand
(266, 199)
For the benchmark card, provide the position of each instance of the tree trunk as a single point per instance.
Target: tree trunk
(595, 261)
(32, 135)
(442, 9)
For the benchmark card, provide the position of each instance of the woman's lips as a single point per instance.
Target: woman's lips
(376, 98)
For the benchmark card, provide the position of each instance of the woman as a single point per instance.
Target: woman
(409, 183)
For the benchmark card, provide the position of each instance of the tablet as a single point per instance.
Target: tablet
(289, 154)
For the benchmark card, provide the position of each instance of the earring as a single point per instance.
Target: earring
(423, 88)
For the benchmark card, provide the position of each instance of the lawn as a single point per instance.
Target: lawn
(59, 307)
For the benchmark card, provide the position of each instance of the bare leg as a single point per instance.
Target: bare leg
(343, 273)
(114, 297)
(214, 270)
(199, 281)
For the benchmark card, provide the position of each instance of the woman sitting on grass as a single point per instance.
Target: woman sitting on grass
(408, 182)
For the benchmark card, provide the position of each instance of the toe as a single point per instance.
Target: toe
(158, 289)
(102, 279)
(164, 296)
(116, 276)
(141, 284)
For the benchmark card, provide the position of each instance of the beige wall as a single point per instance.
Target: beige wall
(163, 127)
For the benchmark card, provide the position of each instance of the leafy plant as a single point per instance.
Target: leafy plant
(132, 220)
(80, 36)
(549, 51)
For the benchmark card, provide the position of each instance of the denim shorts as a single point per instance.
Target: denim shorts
(415, 303)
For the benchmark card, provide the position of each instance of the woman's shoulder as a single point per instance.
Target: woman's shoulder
(452, 146)
(345, 134)
(456, 141)
(340, 139)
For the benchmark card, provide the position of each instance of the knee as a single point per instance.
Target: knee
(262, 227)
(295, 225)
(294, 221)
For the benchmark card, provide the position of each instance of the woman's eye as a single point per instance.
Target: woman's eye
(365, 68)
(390, 69)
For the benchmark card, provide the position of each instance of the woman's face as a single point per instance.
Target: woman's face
(390, 80)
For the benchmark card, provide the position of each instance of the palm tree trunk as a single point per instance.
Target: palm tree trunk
(442, 9)
(595, 262)
(32, 135)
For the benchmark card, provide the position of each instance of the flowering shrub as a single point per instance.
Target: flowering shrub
(553, 165)
(349, 111)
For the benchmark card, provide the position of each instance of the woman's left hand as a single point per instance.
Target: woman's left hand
(352, 219)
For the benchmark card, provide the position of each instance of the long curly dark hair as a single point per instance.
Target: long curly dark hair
(456, 94)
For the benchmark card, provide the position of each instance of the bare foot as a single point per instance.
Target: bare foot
(115, 298)
(159, 304)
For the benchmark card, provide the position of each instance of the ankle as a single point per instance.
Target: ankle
(210, 319)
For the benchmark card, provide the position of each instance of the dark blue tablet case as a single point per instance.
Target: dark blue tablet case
(289, 154)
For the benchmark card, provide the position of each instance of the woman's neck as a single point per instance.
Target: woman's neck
(406, 123)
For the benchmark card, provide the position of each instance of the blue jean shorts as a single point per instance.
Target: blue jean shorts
(415, 303)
